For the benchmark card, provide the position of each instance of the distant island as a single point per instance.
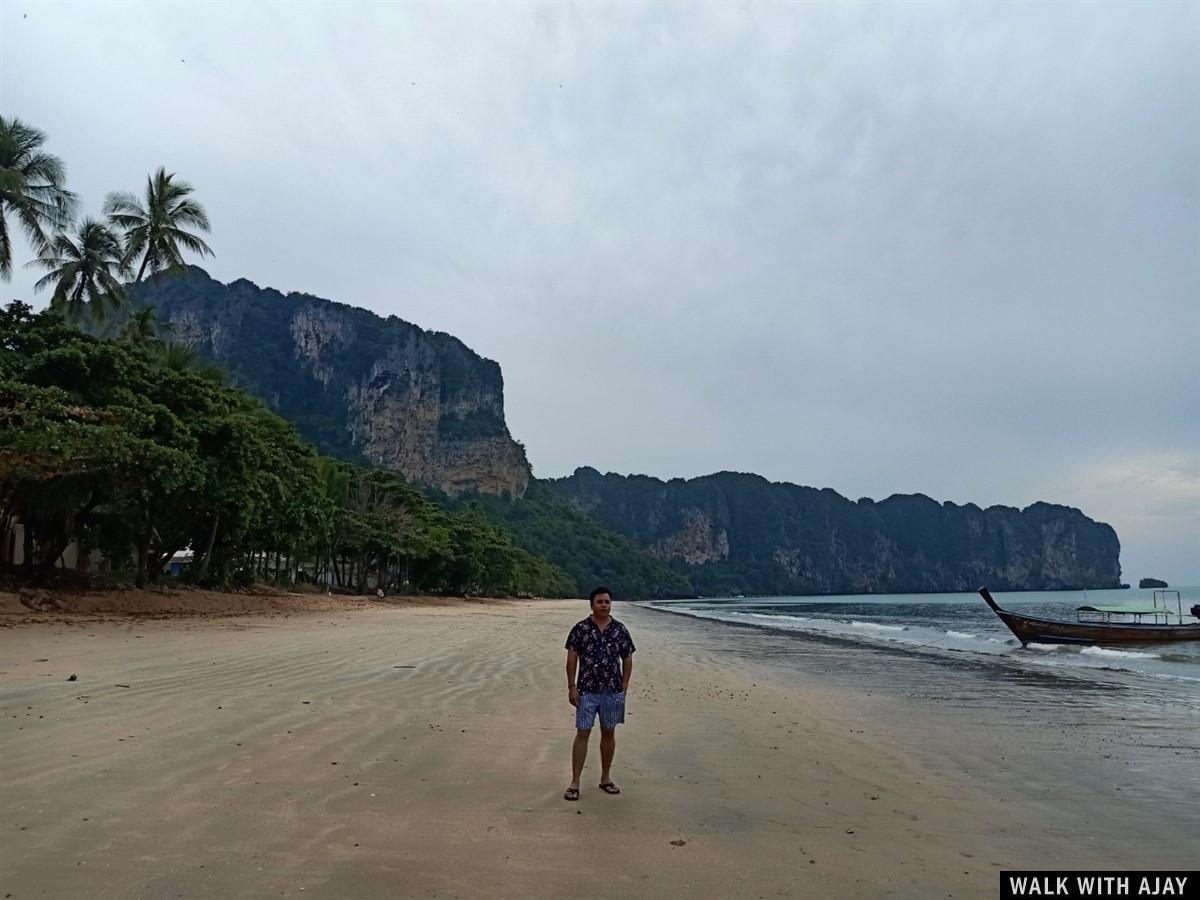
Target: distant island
(737, 533)
(1152, 583)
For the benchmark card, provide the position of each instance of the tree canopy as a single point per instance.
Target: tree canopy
(107, 443)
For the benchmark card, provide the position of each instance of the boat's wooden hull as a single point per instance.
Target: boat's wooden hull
(1047, 631)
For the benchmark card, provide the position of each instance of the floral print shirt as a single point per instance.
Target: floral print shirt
(600, 655)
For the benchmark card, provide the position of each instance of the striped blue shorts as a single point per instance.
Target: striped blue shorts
(611, 708)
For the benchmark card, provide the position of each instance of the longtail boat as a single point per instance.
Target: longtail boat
(1101, 624)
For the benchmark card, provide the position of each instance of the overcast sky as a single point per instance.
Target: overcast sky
(948, 248)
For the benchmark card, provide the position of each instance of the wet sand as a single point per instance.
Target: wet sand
(420, 749)
(1099, 758)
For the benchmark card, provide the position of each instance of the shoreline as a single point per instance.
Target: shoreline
(421, 749)
(1080, 740)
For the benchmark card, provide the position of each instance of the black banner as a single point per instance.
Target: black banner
(1100, 884)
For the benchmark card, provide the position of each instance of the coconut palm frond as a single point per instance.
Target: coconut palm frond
(85, 269)
(5, 251)
(143, 328)
(160, 225)
(189, 212)
(179, 357)
(31, 188)
(189, 242)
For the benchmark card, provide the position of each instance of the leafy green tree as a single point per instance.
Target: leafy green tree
(550, 528)
(147, 460)
(280, 510)
(85, 271)
(31, 189)
(383, 529)
(62, 460)
(98, 434)
(156, 228)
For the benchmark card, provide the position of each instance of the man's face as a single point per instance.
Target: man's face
(602, 605)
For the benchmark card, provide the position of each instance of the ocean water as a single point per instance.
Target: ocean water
(961, 628)
(1072, 731)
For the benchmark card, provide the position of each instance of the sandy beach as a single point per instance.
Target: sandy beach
(313, 747)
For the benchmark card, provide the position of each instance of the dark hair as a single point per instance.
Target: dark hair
(596, 592)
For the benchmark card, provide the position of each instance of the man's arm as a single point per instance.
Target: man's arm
(572, 669)
(626, 671)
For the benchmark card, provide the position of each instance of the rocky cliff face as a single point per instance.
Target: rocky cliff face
(356, 385)
(743, 534)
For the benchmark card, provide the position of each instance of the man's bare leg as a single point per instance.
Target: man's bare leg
(608, 746)
(579, 754)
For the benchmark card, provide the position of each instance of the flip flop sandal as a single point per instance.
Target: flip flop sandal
(609, 788)
(571, 794)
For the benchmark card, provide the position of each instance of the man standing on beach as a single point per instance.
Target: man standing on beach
(600, 649)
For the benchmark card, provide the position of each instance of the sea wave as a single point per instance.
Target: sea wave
(926, 635)
(1123, 654)
(878, 626)
(769, 618)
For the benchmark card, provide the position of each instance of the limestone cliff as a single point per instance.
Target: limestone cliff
(356, 385)
(743, 534)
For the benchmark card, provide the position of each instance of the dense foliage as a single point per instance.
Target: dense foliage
(551, 527)
(121, 446)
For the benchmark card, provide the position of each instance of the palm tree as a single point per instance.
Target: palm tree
(142, 328)
(182, 358)
(155, 229)
(31, 187)
(85, 270)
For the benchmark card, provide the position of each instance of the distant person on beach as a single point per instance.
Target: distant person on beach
(378, 593)
(600, 650)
